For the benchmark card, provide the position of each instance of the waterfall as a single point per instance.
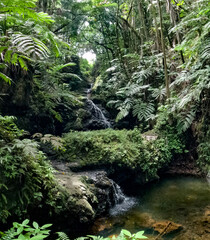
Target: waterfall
(97, 114)
(118, 195)
(122, 203)
(95, 111)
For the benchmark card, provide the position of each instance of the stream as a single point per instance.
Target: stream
(181, 200)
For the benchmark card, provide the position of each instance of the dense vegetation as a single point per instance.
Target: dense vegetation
(151, 73)
(121, 149)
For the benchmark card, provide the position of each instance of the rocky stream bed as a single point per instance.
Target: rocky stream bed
(175, 208)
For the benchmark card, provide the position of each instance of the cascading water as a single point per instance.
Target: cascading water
(118, 195)
(96, 112)
(122, 203)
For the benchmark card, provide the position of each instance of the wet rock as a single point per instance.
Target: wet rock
(81, 198)
(85, 210)
(165, 227)
(104, 191)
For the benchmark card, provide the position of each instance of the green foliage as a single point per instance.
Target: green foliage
(8, 130)
(25, 33)
(62, 236)
(23, 231)
(31, 46)
(26, 177)
(122, 148)
(101, 147)
(125, 234)
(197, 25)
(143, 111)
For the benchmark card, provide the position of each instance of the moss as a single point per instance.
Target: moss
(118, 148)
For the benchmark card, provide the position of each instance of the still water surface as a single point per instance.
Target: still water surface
(182, 200)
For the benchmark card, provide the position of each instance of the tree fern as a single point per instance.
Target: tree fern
(205, 52)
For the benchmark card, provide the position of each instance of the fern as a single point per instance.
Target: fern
(205, 52)
(135, 88)
(56, 142)
(159, 93)
(62, 236)
(28, 147)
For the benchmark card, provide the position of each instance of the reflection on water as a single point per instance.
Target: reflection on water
(183, 200)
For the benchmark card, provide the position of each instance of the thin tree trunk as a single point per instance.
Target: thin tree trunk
(142, 18)
(173, 17)
(164, 52)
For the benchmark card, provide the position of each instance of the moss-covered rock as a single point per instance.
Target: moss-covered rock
(119, 150)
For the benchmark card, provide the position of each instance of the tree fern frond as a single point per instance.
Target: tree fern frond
(185, 100)
(142, 75)
(159, 93)
(135, 88)
(205, 53)
(72, 75)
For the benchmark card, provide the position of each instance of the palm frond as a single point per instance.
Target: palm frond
(31, 46)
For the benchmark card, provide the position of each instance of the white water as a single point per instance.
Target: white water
(97, 113)
(122, 202)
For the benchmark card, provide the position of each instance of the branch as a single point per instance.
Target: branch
(131, 27)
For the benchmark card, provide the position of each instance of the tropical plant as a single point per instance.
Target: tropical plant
(24, 231)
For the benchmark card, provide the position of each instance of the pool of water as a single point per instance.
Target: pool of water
(181, 200)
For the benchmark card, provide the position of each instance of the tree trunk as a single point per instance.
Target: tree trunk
(164, 52)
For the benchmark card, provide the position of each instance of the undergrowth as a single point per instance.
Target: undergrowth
(26, 177)
(121, 148)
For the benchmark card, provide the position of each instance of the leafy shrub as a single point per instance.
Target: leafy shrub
(26, 178)
(203, 152)
(121, 148)
(23, 231)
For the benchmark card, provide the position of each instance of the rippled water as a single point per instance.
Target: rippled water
(182, 200)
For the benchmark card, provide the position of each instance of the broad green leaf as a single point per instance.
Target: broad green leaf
(140, 235)
(25, 222)
(126, 232)
(35, 224)
(46, 226)
(5, 78)
(38, 237)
